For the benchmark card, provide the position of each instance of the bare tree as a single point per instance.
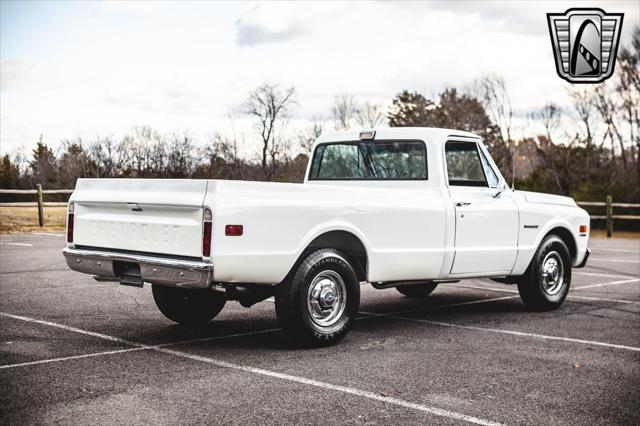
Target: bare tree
(270, 105)
(343, 111)
(370, 115)
(584, 105)
(628, 89)
(180, 157)
(549, 115)
(607, 105)
(308, 136)
(491, 90)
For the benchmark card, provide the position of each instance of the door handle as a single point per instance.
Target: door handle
(462, 204)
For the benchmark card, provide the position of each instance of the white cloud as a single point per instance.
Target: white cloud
(282, 21)
(177, 66)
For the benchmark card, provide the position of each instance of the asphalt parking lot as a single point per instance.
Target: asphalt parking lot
(75, 351)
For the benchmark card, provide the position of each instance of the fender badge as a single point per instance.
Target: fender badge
(531, 227)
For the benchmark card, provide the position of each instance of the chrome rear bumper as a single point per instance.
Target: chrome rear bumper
(155, 270)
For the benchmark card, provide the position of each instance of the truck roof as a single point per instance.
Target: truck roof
(431, 134)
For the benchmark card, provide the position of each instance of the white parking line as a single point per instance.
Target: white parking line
(48, 234)
(619, 250)
(138, 348)
(291, 378)
(510, 332)
(74, 329)
(599, 259)
(601, 299)
(583, 287)
(570, 296)
(436, 307)
(596, 274)
(67, 358)
(344, 389)
(17, 244)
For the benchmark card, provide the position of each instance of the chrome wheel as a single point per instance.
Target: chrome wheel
(326, 298)
(552, 273)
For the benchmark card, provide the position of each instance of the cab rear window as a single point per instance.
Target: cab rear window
(371, 160)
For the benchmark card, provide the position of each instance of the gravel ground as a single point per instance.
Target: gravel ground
(75, 351)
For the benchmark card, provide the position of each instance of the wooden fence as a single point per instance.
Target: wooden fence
(39, 192)
(609, 216)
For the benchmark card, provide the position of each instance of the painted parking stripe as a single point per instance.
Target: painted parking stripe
(583, 287)
(510, 332)
(601, 299)
(599, 259)
(75, 330)
(138, 348)
(260, 371)
(596, 274)
(48, 234)
(448, 305)
(68, 358)
(617, 250)
(17, 244)
(344, 389)
(570, 296)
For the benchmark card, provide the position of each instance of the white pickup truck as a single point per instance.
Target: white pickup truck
(403, 207)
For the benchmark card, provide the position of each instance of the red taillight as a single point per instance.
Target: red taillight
(70, 210)
(206, 233)
(70, 228)
(233, 230)
(206, 240)
(583, 229)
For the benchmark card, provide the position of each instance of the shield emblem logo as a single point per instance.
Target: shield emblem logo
(585, 43)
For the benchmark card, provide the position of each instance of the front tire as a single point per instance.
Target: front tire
(317, 306)
(417, 291)
(187, 306)
(546, 282)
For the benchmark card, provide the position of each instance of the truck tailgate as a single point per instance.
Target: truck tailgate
(144, 215)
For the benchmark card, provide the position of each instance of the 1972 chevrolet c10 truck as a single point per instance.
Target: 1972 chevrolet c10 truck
(404, 207)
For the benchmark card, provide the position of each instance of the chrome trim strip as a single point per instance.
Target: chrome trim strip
(155, 270)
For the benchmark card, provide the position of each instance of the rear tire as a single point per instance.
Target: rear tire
(187, 306)
(317, 305)
(546, 282)
(417, 291)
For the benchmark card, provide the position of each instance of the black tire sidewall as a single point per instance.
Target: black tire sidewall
(291, 299)
(531, 288)
(417, 290)
(342, 267)
(188, 306)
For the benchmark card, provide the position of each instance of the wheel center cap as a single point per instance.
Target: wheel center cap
(327, 298)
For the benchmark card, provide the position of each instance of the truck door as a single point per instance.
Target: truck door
(486, 238)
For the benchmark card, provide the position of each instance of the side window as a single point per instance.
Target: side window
(464, 166)
(488, 171)
(339, 160)
(375, 160)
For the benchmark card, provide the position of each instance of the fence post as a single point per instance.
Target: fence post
(609, 217)
(40, 205)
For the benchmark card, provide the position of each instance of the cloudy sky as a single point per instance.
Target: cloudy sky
(99, 68)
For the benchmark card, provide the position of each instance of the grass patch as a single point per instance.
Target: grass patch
(15, 220)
